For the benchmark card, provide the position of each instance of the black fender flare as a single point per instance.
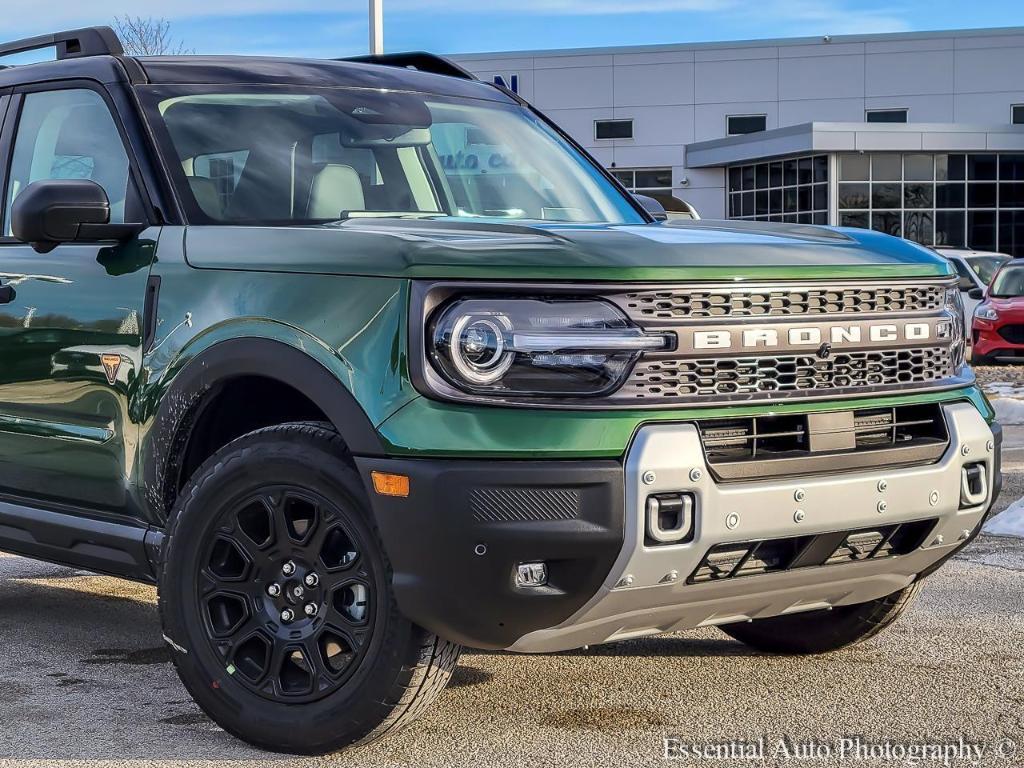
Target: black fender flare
(192, 386)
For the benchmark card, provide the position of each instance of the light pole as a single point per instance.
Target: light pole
(376, 27)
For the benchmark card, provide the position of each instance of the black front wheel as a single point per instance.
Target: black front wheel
(275, 595)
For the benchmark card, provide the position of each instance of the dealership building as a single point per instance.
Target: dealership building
(919, 135)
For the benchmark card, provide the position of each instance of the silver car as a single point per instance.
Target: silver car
(976, 270)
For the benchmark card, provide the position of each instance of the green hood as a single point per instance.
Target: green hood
(458, 248)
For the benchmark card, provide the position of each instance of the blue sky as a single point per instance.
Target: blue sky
(338, 27)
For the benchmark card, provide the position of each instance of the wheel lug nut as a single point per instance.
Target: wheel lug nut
(274, 590)
(312, 579)
(288, 568)
(311, 609)
(298, 591)
(287, 615)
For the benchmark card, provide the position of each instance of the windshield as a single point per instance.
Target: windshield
(291, 156)
(1009, 282)
(986, 267)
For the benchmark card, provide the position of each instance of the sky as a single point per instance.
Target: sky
(325, 28)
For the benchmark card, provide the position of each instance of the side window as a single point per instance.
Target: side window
(70, 134)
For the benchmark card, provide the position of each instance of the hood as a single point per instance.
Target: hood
(474, 249)
(1014, 304)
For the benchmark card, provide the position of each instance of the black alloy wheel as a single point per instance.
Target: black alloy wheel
(286, 599)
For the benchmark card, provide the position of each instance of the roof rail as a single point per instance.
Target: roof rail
(72, 44)
(419, 60)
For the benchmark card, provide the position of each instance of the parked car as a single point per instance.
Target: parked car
(998, 320)
(361, 362)
(975, 270)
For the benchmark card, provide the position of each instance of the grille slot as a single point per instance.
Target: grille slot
(1013, 333)
(520, 505)
(718, 303)
(752, 558)
(664, 380)
(775, 446)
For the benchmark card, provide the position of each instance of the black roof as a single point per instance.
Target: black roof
(247, 70)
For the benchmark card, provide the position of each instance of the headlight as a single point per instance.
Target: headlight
(535, 347)
(986, 312)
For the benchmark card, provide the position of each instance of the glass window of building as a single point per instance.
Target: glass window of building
(613, 129)
(1017, 114)
(959, 200)
(737, 125)
(886, 115)
(793, 190)
(645, 181)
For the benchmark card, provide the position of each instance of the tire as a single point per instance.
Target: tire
(823, 631)
(347, 674)
(979, 360)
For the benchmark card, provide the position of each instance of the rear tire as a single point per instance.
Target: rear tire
(278, 521)
(823, 631)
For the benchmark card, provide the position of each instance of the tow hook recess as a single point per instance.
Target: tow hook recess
(669, 518)
(973, 485)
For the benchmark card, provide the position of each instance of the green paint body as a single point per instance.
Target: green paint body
(340, 295)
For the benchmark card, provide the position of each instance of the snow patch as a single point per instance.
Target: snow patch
(1005, 389)
(1009, 411)
(1009, 522)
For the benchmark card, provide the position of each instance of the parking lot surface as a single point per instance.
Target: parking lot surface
(85, 676)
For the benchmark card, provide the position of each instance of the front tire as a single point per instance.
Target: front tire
(823, 631)
(275, 595)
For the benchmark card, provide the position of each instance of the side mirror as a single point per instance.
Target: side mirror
(653, 207)
(976, 293)
(54, 211)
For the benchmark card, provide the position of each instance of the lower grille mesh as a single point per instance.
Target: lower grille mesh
(685, 379)
(750, 558)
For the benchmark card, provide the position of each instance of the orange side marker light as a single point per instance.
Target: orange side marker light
(386, 484)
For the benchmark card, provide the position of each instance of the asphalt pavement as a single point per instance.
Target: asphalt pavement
(84, 676)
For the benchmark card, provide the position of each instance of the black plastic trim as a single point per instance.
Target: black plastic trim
(453, 567)
(192, 386)
(418, 60)
(104, 546)
(71, 44)
(149, 312)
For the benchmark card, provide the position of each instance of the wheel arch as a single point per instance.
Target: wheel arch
(183, 406)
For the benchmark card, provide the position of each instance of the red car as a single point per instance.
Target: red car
(998, 327)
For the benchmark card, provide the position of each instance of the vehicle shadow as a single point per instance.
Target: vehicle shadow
(85, 653)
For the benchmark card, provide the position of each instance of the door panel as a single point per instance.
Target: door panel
(71, 333)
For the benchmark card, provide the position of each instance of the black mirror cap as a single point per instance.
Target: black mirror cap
(653, 207)
(976, 293)
(52, 211)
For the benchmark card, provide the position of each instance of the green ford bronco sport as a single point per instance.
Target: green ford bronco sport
(361, 362)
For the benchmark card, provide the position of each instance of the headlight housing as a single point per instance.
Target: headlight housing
(986, 312)
(535, 346)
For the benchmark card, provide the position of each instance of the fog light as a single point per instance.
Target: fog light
(531, 574)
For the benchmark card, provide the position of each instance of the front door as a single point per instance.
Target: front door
(71, 319)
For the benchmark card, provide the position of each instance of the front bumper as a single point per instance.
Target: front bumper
(987, 338)
(455, 541)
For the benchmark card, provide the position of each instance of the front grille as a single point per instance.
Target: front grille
(733, 377)
(1013, 333)
(775, 446)
(726, 302)
(751, 558)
